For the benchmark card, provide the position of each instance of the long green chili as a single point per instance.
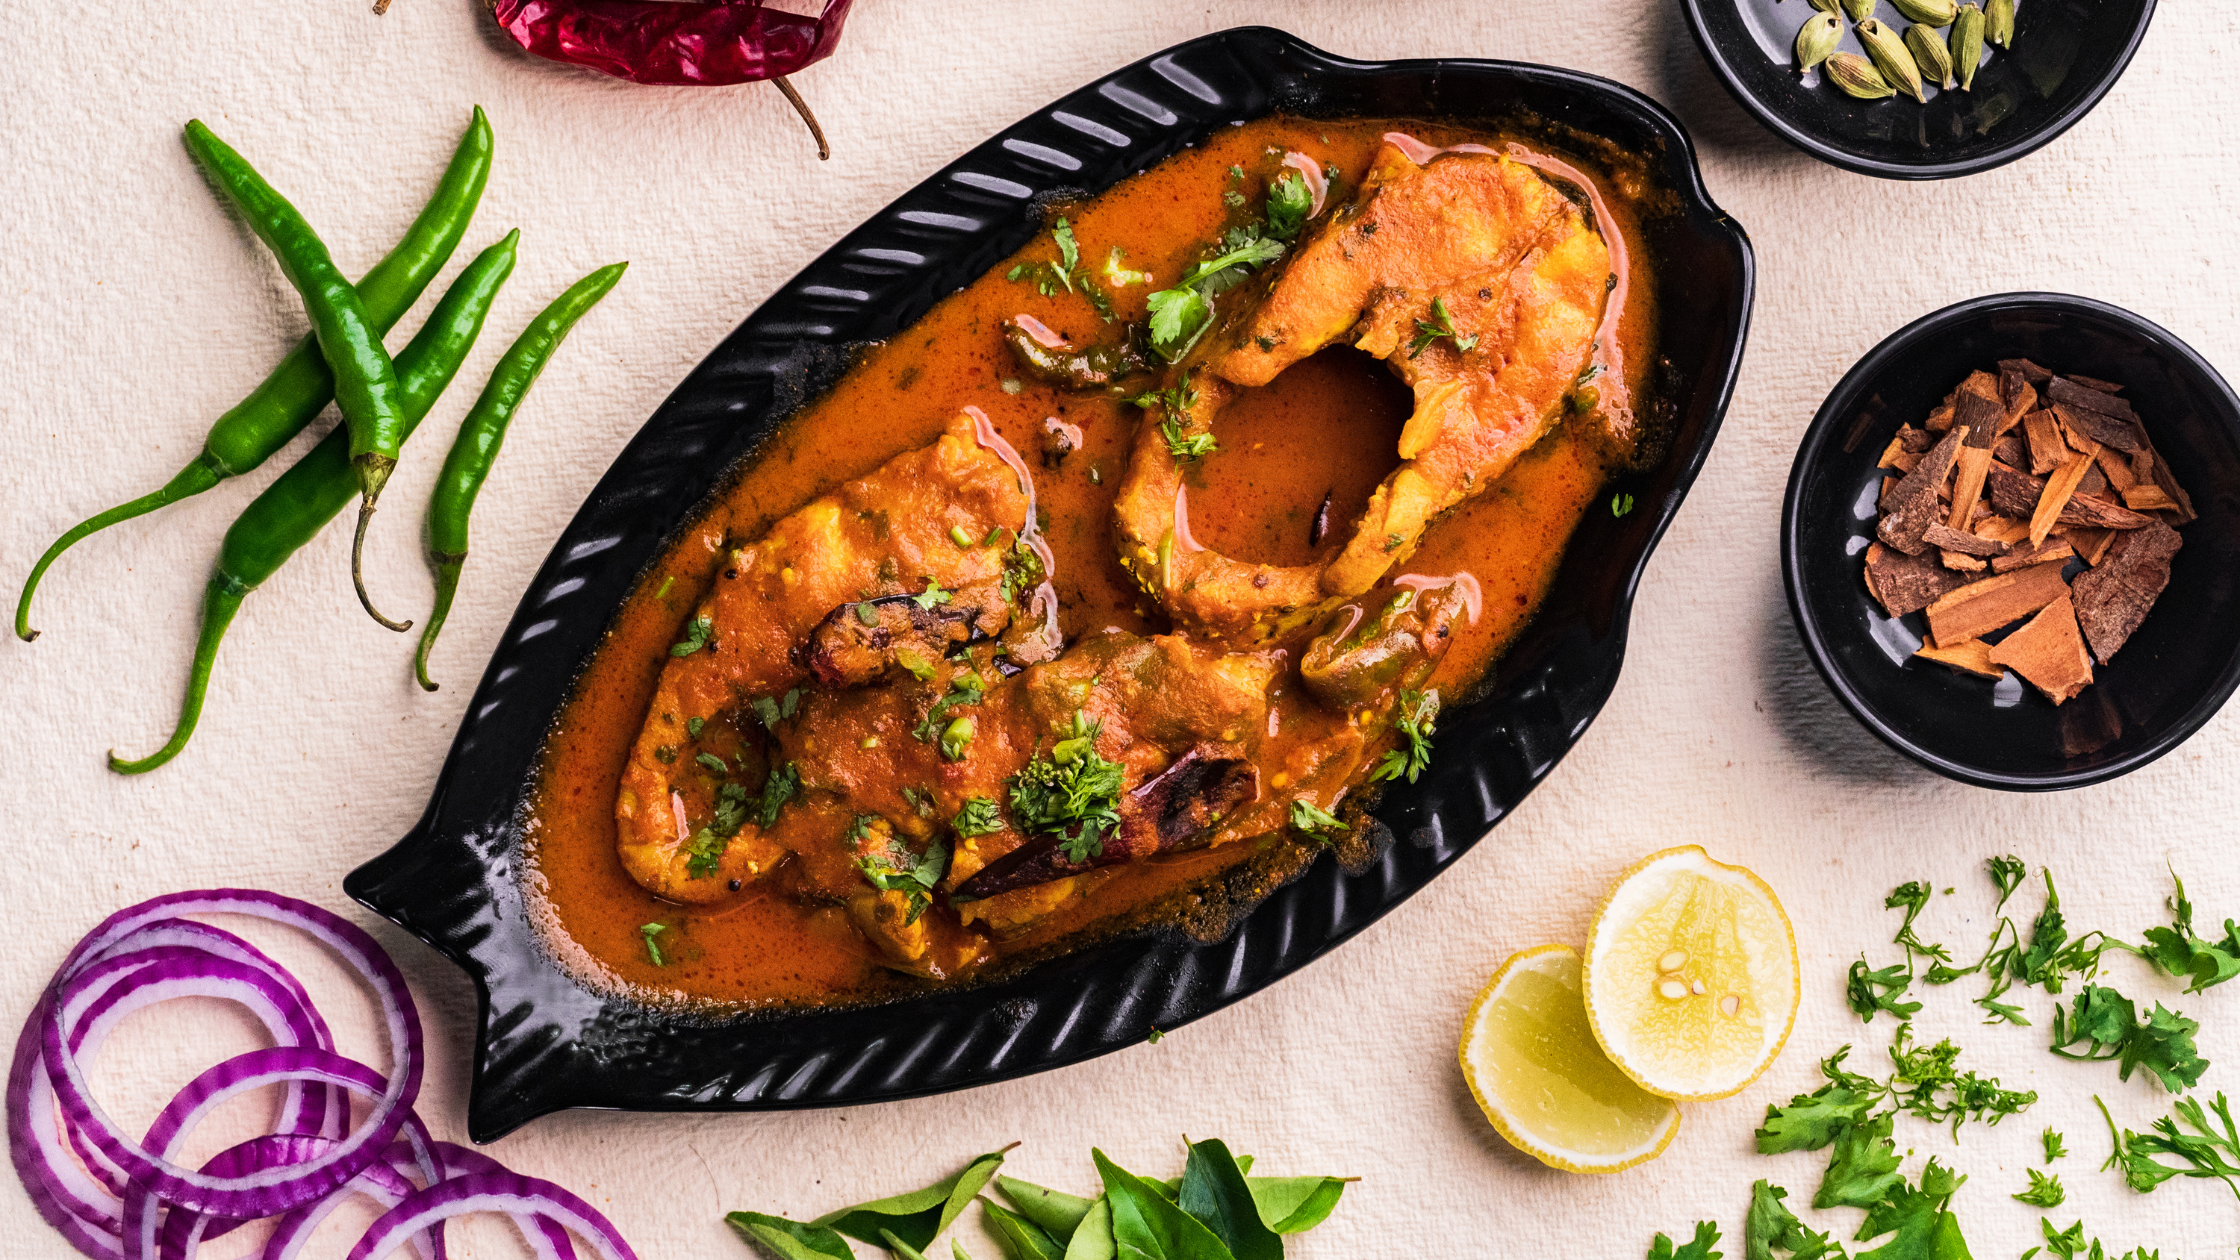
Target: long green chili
(365, 378)
(300, 502)
(480, 435)
(289, 399)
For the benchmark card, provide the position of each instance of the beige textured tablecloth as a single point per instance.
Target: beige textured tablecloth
(134, 311)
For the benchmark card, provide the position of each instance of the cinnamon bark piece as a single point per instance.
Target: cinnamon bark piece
(1983, 416)
(2012, 450)
(2020, 402)
(1961, 562)
(1979, 608)
(1969, 656)
(2017, 494)
(1981, 383)
(2090, 543)
(2100, 427)
(2117, 468)
(2169, 482)
(2103, 513)
(2047, 449)
(1913, 504)
(1905, 584)
(2004, 529)
(2051, 551)
(2030, 371)
(2062, 389)
(2148, 498)
(1967, 481)
(1940, 416)
(1957, 540)
(2093, 382)
(2060, 488)
(2093, 481)
(2049, 652)
(2115, 596)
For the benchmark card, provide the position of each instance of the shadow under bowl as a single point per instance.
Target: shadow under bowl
(2066, 55)
(2175, 671)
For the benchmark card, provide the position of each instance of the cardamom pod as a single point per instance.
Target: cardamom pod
(1967, 44)
(1998, 22)
(1891, 58)
(1817, 38)
(1860, 10)
(1927, 45)
(1856, 76)
(1828, 6)
(1929, 12)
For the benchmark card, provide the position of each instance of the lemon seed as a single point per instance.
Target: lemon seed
(1673, 989)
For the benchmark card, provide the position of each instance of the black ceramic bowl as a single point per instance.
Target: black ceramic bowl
(545, 1042)
(2175, 671)
(2066, 55)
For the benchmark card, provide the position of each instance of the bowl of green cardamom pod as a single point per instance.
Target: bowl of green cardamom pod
(1918, 89)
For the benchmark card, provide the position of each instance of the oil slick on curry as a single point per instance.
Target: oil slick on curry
(1104, 594)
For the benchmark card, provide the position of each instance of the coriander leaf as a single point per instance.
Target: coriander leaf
(1696, 1248)
(918, 1217)
(1924, 1226)
(782, 785)
(1419, 711)
(1768, 1222)
(1094, 1241)
(693, 726)
(653, 949)
(1069, 252)
(1254, 251)
(1811, 1121)
(1178, 316)
(1017, 1237)
(712, 763)
(1185, 446)
(2164, 1046)
(1213, 1190)
(1289, 203)
(790, 1240)
(1310, 819)
(2052, 1141)
(1145, 1226)
(1863, 1167)
(1073, 791)
(933, 594)
(696, 636)
(1871, 991)
(978, 817)
(2044, 1191)
(1440, 325)
(2006, 874)
(1058, 1214)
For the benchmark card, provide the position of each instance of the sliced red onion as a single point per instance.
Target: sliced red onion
(509, 1193)
(380, 1181)
(184, 1231)
(268, 1191)
(544, 1236)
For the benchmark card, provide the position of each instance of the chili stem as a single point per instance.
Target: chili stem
(801, 107)
(219, 603)
(373, 473)
(447, 570)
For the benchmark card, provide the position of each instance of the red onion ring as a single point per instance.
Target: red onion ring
(510, 1193)
(266, 1192)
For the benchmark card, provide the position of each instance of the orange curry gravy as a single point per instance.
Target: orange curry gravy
(1328, 425)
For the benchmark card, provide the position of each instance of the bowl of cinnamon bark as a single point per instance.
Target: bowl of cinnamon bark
(2011, 541)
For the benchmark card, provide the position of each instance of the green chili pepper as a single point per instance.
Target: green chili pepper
(365, 379)
(300, 502)
(289, 399)
(480, 435)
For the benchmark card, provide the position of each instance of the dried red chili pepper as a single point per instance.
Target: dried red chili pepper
(660, 42)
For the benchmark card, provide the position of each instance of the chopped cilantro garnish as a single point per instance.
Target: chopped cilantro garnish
(2044, 1191)
(693, 726)
(2107, 1025)
(1288, 205)
(1311, 819)
(978, 817)
(1696, 1248)
(1441, 324)
(1185, 447)
(1180, 315)
(1022, 571)
(964, 689)
(1418, 712)
(1073, 791)
(896, 869)
(696, 635)
(931, 595)
(867, 613)
(773, 711)
(653, 951)
(956, 738)
(713, 764)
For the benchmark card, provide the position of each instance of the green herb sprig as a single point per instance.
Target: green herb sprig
(1073, 791)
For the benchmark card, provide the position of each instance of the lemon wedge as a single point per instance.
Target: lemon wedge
(1691, 975)
(1533, 1065)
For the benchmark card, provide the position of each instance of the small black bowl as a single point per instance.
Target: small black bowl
(2067, 54)
(2176, 670)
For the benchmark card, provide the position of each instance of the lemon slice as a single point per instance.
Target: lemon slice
(1533, 1065)
(1691, 975)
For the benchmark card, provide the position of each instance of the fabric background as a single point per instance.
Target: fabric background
(134, 310)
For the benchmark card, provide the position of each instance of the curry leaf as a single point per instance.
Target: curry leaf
(1058, 1213)
(1214, 1191)
(1294, 1205)
(919, 1216)
(1017, 1237)
(790, 1240)
(1093, 1239)
(1145, 1226)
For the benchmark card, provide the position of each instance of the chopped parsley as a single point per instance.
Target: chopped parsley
(696, 635)
(1185, 447)
(1073, 791)
(2052, 1140)
(783, 785)
(734, 806)
(896, 869)
(653, 950)
(1696, 1248)
(1052, 278)
(2177, 951)
(1440, 325)
(2044, 1191)
(979, 817)
(2209, 1150)
(2108, 1026)
(1180, 315)
(1311, 819)
(1419, 710)
(1176, 399)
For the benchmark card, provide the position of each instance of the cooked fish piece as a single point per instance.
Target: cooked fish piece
(883, 535)
(1479, 283)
